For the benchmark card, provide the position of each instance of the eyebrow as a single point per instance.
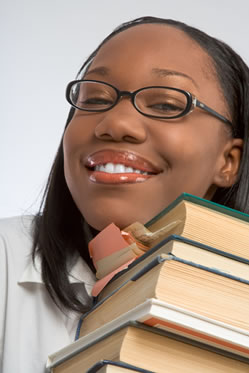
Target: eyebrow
(166, 72)
(99, 70)
(103, 71)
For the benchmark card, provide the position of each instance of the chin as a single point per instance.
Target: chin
(99, 219)
(101, 222)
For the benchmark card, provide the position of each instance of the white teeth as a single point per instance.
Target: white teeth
(102, 168)
(109, 167)
(119, 168)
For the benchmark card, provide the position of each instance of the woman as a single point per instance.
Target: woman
(158, 109)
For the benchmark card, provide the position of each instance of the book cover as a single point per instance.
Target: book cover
(149, 348)
(198, 288)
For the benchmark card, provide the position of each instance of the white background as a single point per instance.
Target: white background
(43, 44)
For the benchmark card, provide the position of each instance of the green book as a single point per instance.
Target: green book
(202, 202)
(198, 220)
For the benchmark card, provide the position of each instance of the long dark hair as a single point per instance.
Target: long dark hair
(58, 227)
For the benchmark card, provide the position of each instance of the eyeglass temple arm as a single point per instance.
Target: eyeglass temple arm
(211, 111)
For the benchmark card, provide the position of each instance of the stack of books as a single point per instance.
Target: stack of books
(182, 306)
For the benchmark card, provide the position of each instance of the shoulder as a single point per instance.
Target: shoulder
(16, 226)
(16, 240)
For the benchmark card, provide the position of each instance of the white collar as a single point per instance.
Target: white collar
(80, 273)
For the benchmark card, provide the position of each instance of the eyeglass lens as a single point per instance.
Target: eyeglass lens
(159, 102)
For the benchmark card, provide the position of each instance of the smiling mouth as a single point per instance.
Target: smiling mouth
(115, 167)
(119, 168)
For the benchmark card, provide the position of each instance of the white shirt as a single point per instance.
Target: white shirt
(31, 325)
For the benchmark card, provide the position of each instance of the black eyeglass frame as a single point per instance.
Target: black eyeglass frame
(192, 101)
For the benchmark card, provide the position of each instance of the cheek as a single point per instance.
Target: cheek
(72, 144)
(188, 140)
(69, 140)
(177, 145)
(77, 135)
(193, 156)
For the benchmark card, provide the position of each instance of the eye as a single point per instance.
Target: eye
(95, 101)
(165, 102)
(88, 95)
(167, 108)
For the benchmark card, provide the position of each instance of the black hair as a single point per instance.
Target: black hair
(59, 232)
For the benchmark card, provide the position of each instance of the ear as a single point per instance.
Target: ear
(229, 164)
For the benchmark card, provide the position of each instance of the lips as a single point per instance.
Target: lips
(118, 167)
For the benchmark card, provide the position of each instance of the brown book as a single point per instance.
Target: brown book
(150, 349)
(180, 321)
(198, 289)
(185, 249)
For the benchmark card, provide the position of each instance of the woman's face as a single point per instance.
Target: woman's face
(180, 155)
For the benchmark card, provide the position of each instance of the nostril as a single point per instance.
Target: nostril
(121, 123)
(130, 139)
(104, 136)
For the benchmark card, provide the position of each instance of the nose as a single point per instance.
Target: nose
(122, 123)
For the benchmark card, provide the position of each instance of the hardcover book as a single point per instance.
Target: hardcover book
(148, 348)
(185, 249)
(181, 283)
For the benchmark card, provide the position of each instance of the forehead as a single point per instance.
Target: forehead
(143, 48)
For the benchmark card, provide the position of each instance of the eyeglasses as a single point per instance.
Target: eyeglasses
(155, 101)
